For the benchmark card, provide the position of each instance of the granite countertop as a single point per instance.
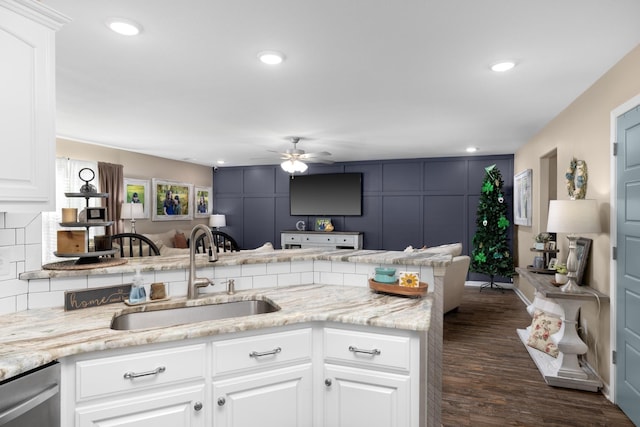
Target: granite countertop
(33, 338)
(256, 257)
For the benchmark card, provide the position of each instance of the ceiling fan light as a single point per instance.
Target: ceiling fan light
(292, 166)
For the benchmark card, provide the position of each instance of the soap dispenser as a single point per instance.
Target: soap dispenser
(138, 293)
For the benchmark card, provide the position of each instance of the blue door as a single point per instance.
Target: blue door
(628, 267)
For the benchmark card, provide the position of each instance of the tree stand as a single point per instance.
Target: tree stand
(491, 285)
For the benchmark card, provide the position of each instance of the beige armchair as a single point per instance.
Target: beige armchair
(454, 279)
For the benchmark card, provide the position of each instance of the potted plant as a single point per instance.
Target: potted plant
(541, 240)
(561, 274)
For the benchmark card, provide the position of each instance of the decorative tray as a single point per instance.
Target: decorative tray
(396, 289)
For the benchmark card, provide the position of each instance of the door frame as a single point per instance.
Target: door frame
(613, 236)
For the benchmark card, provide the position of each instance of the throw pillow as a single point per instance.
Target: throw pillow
(179, 241)
(166, 237)
(542, 327)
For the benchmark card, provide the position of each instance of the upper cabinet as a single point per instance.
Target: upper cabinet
(27, 105)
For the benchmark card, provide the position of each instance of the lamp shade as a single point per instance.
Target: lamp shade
(573, 216)
(132, 211)
(217, 220)
(292, 166)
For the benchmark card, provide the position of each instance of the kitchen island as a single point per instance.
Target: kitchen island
(34, 337)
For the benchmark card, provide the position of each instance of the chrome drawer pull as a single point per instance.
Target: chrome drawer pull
(374, 352)
(132, 375)
(265, 353)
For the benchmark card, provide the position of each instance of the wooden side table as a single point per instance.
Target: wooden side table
(565, 370)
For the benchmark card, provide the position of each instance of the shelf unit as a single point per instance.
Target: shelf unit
(546, 254)
(87, 257)
(321, 239)
(566, 370)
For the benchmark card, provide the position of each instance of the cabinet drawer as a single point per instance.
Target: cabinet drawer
(291, 238)
(117, 374)
(367, 349)
(261, 351)
(318, 239)
(349, 240)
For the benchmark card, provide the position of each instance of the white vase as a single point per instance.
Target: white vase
(561, 278)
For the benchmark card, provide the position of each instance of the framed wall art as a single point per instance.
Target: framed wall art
(137, 191)
(202, 202)
(522, 198)
(583, 246)
(172, 200)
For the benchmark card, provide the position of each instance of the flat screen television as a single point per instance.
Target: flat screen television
(326, 194)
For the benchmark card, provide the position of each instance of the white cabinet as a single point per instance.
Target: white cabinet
(308, 375)
(370, 379)
(264, 380)
(27, 105)
(321, 239)
(357, 397)
(177, 407)
(273, 398)
(164, 387)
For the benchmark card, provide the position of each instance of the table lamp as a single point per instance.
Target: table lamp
(217, 220)
(573, 217)
(132, 211)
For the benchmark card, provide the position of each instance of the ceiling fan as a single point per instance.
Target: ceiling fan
(294, 158)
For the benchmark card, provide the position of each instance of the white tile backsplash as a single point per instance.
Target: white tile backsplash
(343, 267)
(46, 300)
(278, 267)
(70, 283)
(17, 295)
(8, 237)
(266, 281)
(20, 248)
(253, 269)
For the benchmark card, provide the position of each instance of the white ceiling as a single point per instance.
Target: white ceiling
(362, 79)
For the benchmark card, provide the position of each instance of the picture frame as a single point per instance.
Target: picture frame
(163, 192)
(139, 187)
(202, 202)
(583, 246)
(321, 224)
(522, 198)
(551, 245)
(553, 262)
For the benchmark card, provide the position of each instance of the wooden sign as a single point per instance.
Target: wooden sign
(74, 300)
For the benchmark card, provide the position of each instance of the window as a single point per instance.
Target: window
(67, 181)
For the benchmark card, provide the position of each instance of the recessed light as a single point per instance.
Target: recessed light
(471, 149)
(125, 27)
(271, 57)
(220, 162)
(502, 66)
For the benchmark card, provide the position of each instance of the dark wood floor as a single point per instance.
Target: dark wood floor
(490, 380)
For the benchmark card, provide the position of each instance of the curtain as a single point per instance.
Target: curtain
(112, 182)
(67, 181)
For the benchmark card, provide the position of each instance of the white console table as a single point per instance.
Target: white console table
(321, 239)
(565, 370)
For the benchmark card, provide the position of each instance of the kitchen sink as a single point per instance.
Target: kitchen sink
(158, 318)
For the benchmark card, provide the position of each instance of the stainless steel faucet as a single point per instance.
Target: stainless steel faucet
(195, 282)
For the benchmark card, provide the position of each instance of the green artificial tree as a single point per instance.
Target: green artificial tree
(491, 254)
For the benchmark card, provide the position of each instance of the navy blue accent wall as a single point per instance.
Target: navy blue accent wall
(419, 202)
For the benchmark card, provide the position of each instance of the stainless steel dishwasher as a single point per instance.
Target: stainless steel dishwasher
(31, 399)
